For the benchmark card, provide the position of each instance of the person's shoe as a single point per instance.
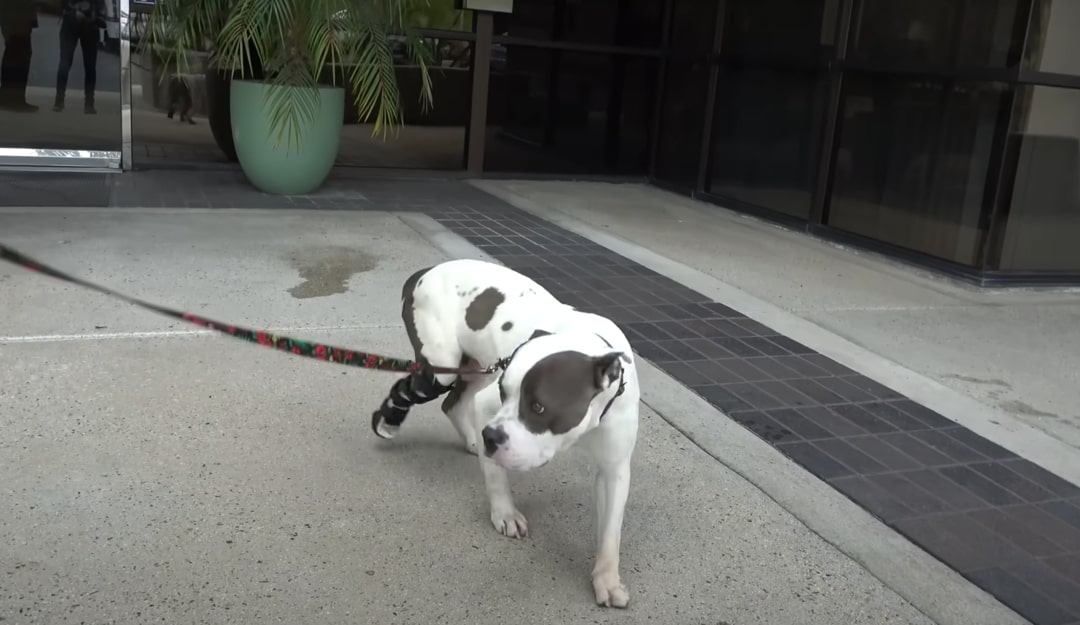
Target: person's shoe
(58, 105)
(89, 109)
(18, 107)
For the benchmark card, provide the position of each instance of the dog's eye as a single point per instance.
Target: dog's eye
(537, 408)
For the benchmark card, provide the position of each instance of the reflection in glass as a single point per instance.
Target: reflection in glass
(1043, 223)
(81, 22)
(53, 48)
(683, 94)
(169, 113)
(428, 139)
(935, 33)
(1053, 41)
(692, 26)
(767, 137)
(439, 15)
(779, 30)
(912, 163)
(678, 149)
(636, 24)
(554, 111)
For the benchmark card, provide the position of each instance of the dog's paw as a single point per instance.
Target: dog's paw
(610, 591)
(381, 428)
(509, 522)
(472, 448)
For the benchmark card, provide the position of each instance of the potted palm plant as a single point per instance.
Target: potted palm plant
(289, 62)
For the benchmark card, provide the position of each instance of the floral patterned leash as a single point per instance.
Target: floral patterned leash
(318, 351)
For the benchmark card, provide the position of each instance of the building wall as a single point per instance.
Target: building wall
(936, 144)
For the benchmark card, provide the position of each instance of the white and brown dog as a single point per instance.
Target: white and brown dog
(566, 377)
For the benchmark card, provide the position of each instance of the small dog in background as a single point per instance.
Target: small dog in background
(180, 98)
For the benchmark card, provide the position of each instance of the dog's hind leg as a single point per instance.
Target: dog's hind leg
(433, 344)
(416, 388)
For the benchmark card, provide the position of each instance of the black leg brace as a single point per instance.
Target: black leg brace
(417, 388)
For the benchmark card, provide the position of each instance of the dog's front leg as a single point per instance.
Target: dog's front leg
(612, 489)
(504, 514)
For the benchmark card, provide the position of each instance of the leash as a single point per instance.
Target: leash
(297, 347)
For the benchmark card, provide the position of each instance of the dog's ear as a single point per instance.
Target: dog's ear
(607, 368)
(539, 333)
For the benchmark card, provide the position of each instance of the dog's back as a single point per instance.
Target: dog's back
(488, 308)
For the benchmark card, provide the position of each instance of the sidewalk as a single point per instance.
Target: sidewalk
(1017, 351)
(753, 416)
(155, 472)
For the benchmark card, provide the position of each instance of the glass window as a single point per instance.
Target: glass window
(935, 33)
(427, 139)
(913, 161)
(439, 15)
(693, 23)
(566, 112)
(59, 82)
(171, 121)
(177, 120)
(1054, 37)
(686, 79)
(682, 114)
(1043, 223)
(636, 24)
(766, 138)
(779, 30)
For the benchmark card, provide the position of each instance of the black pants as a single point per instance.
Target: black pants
(85, 36)
(15, 66)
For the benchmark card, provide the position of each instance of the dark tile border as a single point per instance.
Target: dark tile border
(989, 514)
(1006, 524)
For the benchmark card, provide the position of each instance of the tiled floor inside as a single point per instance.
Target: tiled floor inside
(1000, 520)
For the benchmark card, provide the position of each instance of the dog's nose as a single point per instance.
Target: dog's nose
(493, 437)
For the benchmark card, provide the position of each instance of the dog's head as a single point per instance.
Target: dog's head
(548, 398)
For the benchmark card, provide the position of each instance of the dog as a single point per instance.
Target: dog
(180, 98)
(565, 378)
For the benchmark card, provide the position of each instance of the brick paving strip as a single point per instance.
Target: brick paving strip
(1004, 523)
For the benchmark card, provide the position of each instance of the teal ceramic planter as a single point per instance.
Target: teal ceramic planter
(280, 169)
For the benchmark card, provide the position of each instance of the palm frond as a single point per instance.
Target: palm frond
(301, 44)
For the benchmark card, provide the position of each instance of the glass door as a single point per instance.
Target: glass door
(60, 103)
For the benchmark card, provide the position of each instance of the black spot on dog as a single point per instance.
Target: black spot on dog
(407, 313)
(506, 326)
(482, 308)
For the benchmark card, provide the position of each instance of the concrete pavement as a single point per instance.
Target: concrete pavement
(155, 472)
(1014, 351)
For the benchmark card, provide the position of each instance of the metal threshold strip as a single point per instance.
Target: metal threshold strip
(59, 159)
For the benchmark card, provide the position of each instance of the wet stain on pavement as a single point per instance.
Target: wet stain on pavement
(1019, 407)
(326, 270)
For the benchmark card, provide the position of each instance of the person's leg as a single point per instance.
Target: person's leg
(15, 71)
(69, 37)
(6, 64)
(88, 40)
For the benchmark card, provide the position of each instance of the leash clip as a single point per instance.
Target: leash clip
(500, 365)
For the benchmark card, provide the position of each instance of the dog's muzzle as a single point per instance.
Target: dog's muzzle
(493, 437)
